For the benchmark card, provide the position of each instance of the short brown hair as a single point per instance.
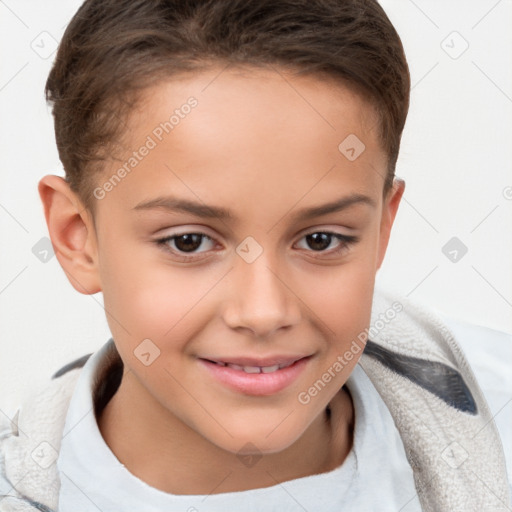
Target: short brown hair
(113, 49)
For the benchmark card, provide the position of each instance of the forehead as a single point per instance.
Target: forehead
(257, 134)
(270, 98)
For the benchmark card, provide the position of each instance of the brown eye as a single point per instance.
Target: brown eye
(188, 242)
(320, 241)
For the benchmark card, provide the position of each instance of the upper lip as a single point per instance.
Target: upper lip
(258, 361)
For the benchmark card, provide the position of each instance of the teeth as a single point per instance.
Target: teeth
(252, 369)
(255, 369)
(270, 369)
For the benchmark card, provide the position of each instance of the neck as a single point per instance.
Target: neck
(162, 451)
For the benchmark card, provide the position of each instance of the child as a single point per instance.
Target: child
(212, 149)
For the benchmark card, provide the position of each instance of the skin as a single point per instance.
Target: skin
(263, 144)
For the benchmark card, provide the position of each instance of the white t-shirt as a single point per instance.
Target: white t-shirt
(374, 476)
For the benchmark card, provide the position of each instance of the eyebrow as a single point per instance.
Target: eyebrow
(175, 204)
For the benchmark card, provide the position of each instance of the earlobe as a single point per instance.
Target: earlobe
(72, 234)
(389, 210)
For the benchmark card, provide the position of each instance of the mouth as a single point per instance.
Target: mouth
(252, 376)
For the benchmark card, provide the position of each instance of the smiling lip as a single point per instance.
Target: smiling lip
(260, 377)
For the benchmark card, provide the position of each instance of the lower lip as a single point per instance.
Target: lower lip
(258, 384)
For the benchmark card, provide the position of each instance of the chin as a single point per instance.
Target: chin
(259, 439)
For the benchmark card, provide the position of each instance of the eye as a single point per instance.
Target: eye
(319, 241)
(185, 243)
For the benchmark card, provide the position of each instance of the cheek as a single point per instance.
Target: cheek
(341, 297)
(147, 298)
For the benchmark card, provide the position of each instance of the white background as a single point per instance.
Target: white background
(455, 157)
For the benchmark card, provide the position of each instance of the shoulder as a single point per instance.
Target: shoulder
(489, 353)
(30, 443)
(56, 391)
(461, 370)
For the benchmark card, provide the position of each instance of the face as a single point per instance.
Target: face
(237, 253)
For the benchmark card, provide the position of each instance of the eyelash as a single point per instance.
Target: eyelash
(346, 242)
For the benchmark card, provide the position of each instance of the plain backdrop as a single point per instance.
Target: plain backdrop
(451, 248)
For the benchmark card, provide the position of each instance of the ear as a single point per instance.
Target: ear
(389, 209)
(72, 234)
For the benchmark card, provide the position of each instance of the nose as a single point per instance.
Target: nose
(260, 300)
